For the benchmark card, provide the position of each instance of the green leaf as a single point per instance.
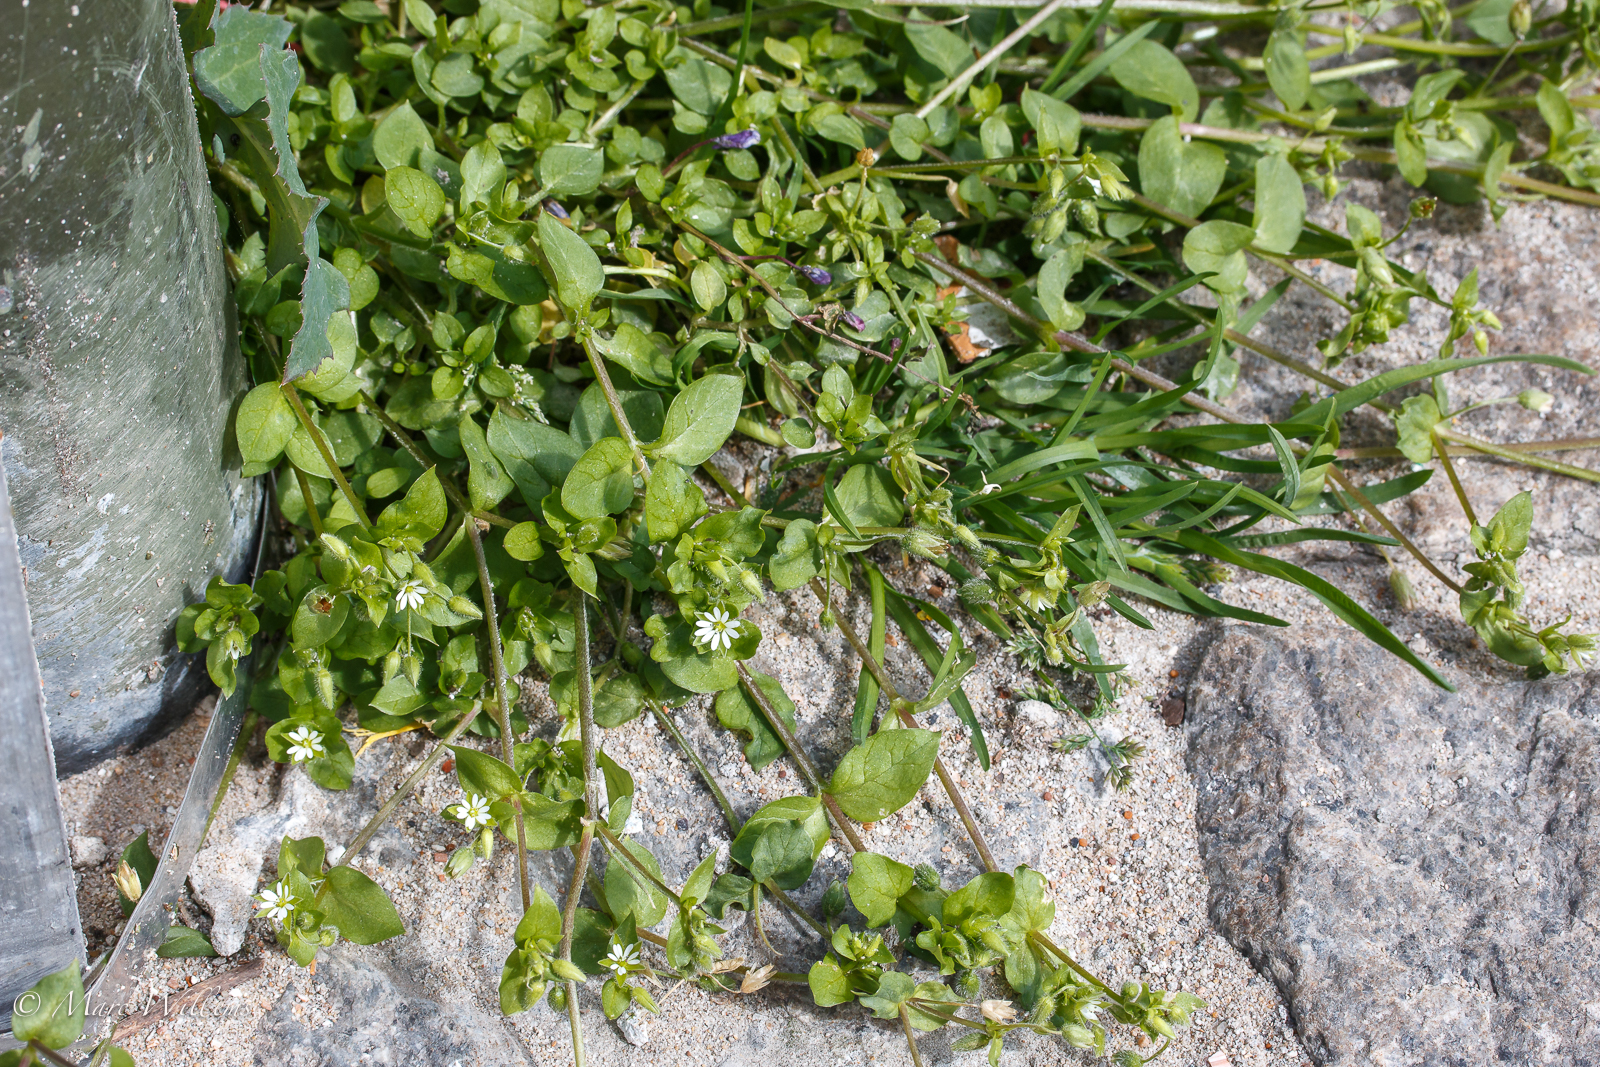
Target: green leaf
(781, 854)
(359, 907)
(989, 895)
(317, 620)
(1054, 277)
(1151, 71)
(737, 712)
(483, 173)
(1287, 70)
(882, 776)
(601, 482)
(1056, 123)
(324, 42)
(672, 502)
(1183, 176)
(522, 542)
(829, 983)
(1280, 204)
(1414, 423)
(630, 894)
(1508, 530)
(1334, 598)
(570, 170)
(1345, 400)
(707, 285)
(535, 454)
(264, 424)
(421, 513)
(573, 264)
(700, 420)
(807, 811)
(876, 884)
(1218, 247)
(487, 481)
(401, 138)
(480, 773)
(906, 136)
(869, 496)
(894, 989)
(52, 1012)
(415, 198)
(180, 942)
(229, 72)
(797, 559)
(946, 51)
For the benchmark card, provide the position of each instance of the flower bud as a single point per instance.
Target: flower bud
(833, 901)
(815, 275)
(464, 606)
(1093, 593)
(336, 546)
(1404, 593)
(127, 881)
(854, 321)
(1536, 400)
(968, 985)
(921, 541)
(743, 139)
(751, 583)
(1422, 207)
(927, 879)
(1324, 119)
(556, 209)
(460, 863)
(975, 592)
(1520, 18)
(412, 665)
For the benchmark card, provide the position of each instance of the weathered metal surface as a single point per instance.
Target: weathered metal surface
(118, 367)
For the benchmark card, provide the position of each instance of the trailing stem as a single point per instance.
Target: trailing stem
(502, 705)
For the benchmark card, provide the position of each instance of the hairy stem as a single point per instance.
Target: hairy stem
(415, 778)
(569, 917)
(614, 402)
(808, 770)
(1491, 449)
(911, 1037)
(311, 505)
(293, 396)
(502, 705)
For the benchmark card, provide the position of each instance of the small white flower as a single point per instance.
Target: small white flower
(621, 959)
(304, 744)
(410, 595)
(716, 629)
(475, 812)
(275, 903)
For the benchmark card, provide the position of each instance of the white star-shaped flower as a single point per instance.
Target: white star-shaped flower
(475, 812)
(621, 959)
(716, 629)
(275, 903)
(305, 744)
(410, 595)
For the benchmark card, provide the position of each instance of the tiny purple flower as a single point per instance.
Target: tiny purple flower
(556, 209)
(815, 275)
(854, 321)
(743, 139)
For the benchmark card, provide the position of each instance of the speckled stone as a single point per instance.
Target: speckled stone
(1418, 871)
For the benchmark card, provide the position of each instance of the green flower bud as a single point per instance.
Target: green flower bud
(464, 606)
(1422, 207)
(127, 881)
(460, 863)
(412, 665)
(976, 591)
(921, 541)
(336, 546)
(833, 901)
(1520, 18)
(1536, 400)
(1404, 593)
(927, 879)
